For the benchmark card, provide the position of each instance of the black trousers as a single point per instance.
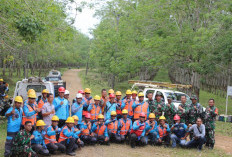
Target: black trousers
(61, 123)
(52, 147)
(135, 140)
(114, 137)
(89, 139)
(8, 143)
(70, 145)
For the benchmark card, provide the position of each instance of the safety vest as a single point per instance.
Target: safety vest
(113, 127)
(149, 123)
(100, 129)
(125, 127)
(119, 103)
(52, 138)
(140, 130)
(162, 132)
(32, 118)
(41, 103)
(128, 107)
(95, 111)
(62, 136)
(140, 108)
(86, 131)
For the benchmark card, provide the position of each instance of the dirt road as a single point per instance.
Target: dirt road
(74, 84)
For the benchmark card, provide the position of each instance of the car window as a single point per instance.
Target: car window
(55, 73)
(53, 78)
(149, 91)
(172, 95)
(37, 88)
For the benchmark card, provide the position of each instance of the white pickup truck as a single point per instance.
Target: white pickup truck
(147, 88)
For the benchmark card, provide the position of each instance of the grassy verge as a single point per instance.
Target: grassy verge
(3, 126)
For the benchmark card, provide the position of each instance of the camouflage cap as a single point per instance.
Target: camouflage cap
(159, 94)
(193, 97)
(169, 97)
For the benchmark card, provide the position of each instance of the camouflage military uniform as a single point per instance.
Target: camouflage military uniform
(195, 113)
(151, 105)
(22, 145)
(183, 114)
(170, 112)
(209, 119)
(159, 110)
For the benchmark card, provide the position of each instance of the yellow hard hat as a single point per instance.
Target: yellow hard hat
(128, 91)
(69, 120)
(162, 118)
(140, 94)
(124, 111)
(97, 97)
(151, 115)
(6, 97)
(87, 90)
(134, 92)
(40, 123)
(32, 95)
(30, 91)
(18, 99)
(111, 91)
(1, 80)
(100, 116)
(118, 93)
(75, 117)
(45, 91)
(55, 118)
(113, 113)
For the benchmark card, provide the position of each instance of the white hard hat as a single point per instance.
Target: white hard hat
(66, 92)
(79, 95)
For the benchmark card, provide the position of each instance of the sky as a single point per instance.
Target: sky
(85, 20)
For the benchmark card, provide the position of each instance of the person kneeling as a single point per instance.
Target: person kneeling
(198, 135)
(124, 126)
(150, 129)
(77, 132)
(112, 127)
(99, 130)
(50, 137)
(163, 132)
(138, 131)
(38, 144)
(66, 137)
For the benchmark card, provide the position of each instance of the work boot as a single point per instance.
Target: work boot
(71, 154)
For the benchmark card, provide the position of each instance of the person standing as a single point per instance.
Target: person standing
(95, 109)
(159, 105)
(163, 131)
(48, 110)
(87, 100)
(77, 107)
(183, 110)
(119, 104)
(22, 142)
(195, 110)
(140, 106)
(61, 107)
(210, 116)
(124, 126)
(170, 111)
(127, 104)
(151, 102)
(110, 106)
(14, 120)
(42, 100)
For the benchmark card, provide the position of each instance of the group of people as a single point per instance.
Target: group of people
(47, 125)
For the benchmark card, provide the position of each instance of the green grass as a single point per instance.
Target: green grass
(3, 126)
(223, 128)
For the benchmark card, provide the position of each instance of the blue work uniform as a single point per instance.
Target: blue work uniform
(62, 111)
(108, 109)
(77, 109)
(178, 132)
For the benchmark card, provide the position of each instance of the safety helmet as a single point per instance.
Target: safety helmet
(55, 118)
(69, 120)
(81, 92)
(79, 96)
(1, 80)
(112, 96)
(111, 91)
(142, 114)
(113, 113)
(40, 123)
(128, 91)
(140, 94)
(61, 89)
(134, 92)
(75, 117)
(151, 115)
(118, 93)
(124, 111)
(18, 99)
(162, 118)
(158, 94)
(66, 92)
(87, 90)
(97, 97)
(30, 91)
(176, 117)
(6, 97)
(45, 91)
(169, 97)
(100, 116)
(32, 95)
(87, 115)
